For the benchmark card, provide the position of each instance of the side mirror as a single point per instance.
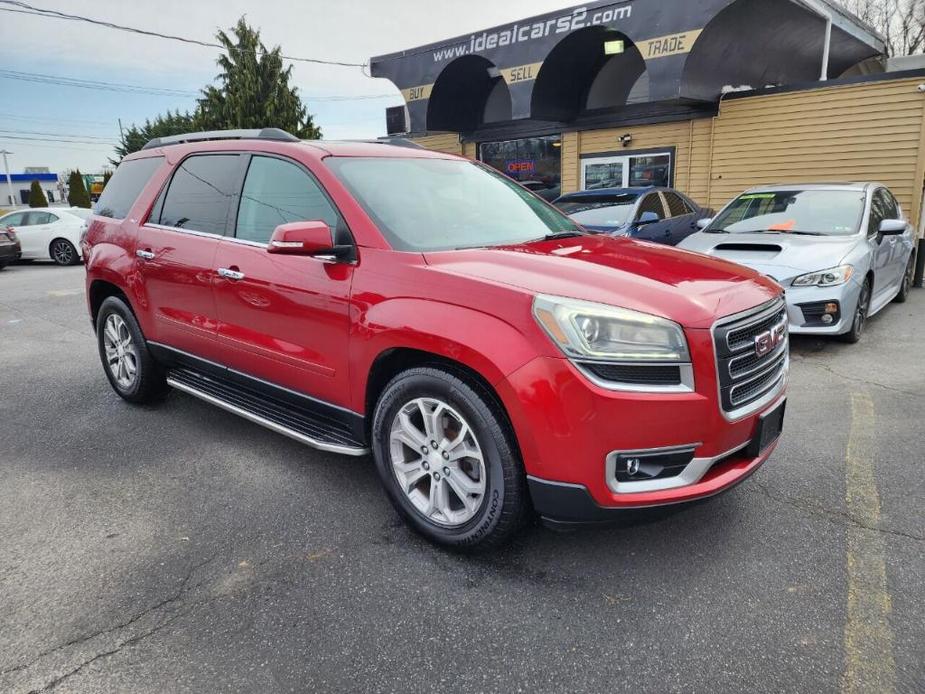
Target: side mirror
(647, 218)
(307, 238)
(892, 227)
(704, 223)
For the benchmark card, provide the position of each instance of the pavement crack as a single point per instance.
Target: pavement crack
(169, 600)
(856, 379)
(832, 515)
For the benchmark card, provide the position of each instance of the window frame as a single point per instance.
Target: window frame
(343, 226)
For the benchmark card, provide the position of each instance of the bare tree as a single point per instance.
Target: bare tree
(902, 22)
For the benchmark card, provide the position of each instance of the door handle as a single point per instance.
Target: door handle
(145, 254)
(230, 274)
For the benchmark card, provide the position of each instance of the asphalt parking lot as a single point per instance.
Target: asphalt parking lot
(183, 549)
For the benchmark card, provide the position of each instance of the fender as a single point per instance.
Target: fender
(489, 346)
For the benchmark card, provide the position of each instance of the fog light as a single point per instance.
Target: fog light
(632, 466)
(828, 319)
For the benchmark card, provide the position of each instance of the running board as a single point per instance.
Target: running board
(310, 428)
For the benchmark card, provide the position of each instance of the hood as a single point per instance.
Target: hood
(687, 288)
(781, 256)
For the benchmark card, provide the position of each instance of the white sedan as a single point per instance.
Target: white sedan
(48, 233)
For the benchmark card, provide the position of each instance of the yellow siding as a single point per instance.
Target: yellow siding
(470, 150)
(444, 142)
(863, 132)
(570, 177)
(691, 140)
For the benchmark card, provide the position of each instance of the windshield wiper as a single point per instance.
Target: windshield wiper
(715, 231)
(562, 235)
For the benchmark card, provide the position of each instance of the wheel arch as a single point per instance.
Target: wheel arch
(100, 290)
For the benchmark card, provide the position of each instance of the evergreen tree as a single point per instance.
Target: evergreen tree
(136, 137)
(253, 89)
(37, 195)
(77, 195)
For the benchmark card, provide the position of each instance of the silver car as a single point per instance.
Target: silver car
(841, 251)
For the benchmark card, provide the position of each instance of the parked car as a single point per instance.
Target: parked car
(546, 191)
(48, 233)
(427, 309)
(10, 249)
(660, 215)
(842, 252)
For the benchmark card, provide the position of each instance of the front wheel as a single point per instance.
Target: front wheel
(860, 315)
(908, 277)
(446, 457)
(63, 252)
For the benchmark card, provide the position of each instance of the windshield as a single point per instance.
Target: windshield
(610, 211)
(822, 212)
(439, 204)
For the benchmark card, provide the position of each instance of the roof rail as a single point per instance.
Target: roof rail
(275, 134)
(394, 141)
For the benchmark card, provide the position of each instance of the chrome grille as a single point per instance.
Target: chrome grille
(746, 373)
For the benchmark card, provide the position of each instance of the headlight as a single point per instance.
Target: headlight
(825, 278)
(587, 330)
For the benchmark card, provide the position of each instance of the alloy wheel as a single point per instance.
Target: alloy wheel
(908, 276)
(121, 353)
(860, 316)
(63, 253)
(437, 462)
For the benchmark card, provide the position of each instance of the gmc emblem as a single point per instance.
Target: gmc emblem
(771, 339)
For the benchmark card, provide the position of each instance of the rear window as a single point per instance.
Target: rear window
(125, 186)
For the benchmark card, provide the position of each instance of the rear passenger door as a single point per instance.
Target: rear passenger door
(283, 319)
(175, 251)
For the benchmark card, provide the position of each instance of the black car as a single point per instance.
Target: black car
(661, 215)
(9, 247)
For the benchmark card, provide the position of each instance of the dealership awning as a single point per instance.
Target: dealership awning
(604, 56)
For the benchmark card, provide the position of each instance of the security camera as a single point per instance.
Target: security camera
(625, 140)
(921, 88)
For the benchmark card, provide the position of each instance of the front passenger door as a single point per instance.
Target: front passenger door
(881, 247)
(284, 318)
(656, 232)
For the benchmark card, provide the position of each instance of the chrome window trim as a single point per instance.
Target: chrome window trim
(691, 474)
(760, 313)
(686, 372)
(191, 232)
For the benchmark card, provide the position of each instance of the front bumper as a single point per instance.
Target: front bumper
(801, 321)
(568, 428)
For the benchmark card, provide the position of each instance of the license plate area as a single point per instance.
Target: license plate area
(770, 426)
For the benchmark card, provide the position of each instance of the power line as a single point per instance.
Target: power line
(51, 139)
(39, 132)
(62, 81)
(55, 14)
(48, 119)
(56, 80)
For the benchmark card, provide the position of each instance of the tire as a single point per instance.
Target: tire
(860, 315)
(906, 285)
(63, 252)
(491, 479)
(131, 370)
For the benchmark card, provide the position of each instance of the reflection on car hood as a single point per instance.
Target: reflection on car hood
(685, 287)
(781, 256)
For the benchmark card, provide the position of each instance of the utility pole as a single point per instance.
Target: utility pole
(121, 134)
(9, 181)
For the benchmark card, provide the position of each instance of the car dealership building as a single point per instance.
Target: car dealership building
(708, 96)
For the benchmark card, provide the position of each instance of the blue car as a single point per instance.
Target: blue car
(660, 215)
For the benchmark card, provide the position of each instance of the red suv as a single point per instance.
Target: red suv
(493, 356)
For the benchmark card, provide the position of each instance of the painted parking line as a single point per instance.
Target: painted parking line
(869, 664)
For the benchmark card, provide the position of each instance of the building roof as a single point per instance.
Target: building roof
(547, 68)
(29, 177)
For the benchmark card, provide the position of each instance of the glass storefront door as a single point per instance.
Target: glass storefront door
(629, 171)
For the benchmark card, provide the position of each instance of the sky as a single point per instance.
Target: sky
(33, 116)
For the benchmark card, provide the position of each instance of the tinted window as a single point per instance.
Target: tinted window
(676, 204)
(892, 207)
(42, 218)
(278, 192)
(651, 203)
(609, 210)
(13, 220)
(125, 186)
(200, 193)
(879, 210)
